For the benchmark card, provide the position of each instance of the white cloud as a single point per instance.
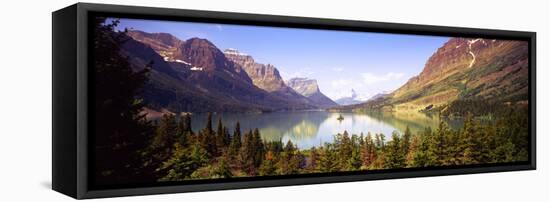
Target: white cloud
(370, 78)
(219, 27)
(338, 69)
(364, 96)
(365, 84)
(190, 34)
(305, 72)
(334, 95)
(341, 83)
(341, 88)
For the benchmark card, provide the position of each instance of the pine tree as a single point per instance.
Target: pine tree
(226, 137)
(187, 124)
(395, 157)
(361, 140)
(290, 160)
(467, 141)
(209, 122)
(221, 170)
(470, 142)
(208, 137)
(424, 155)
(312, 161)
(296, 163)
(121, 131)
(413, 148)
(235, 145)
(345, 149)
(406, 140)
(165, 137)
(355, 161)
(380, 141)
(369, 151)
(183, 162)
(258, 147)
(268, 165)
(183, 133)
(247, 153)
(379, 161)
(453, 152)
(438, 144)
(220, 136)
(328, 161)
(289, 147)
(276, 147)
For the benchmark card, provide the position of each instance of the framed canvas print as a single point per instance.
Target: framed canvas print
(155, 100)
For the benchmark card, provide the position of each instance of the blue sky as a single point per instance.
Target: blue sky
(369, 63)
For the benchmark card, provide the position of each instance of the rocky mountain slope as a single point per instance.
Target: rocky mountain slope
(463, 68)
(161, 42)
(310, 89)
(266, 77)
(195, 76)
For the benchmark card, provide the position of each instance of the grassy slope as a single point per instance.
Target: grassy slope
(499, 75)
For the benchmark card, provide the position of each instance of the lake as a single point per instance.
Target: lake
(313, 128)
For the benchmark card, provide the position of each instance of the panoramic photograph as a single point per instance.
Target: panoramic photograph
(186, 101)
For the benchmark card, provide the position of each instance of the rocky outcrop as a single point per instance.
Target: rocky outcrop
(310, 89)
(304, 86)
(266, 77)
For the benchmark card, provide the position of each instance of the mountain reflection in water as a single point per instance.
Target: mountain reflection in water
(312, 128)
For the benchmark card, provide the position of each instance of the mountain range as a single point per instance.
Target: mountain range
(266, 77)
(462, 69)
(195, 76)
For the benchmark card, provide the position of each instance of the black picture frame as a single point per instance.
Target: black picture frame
(72, 111)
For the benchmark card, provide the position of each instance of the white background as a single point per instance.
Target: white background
(25, 102)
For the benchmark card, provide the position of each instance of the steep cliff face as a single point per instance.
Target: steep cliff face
(304, 86)
(266, 77)
(310, 89)
(464, 68)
